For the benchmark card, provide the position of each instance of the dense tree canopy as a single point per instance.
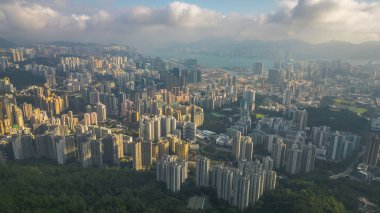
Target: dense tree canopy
(317, 193)
(300, 196)
(342, 120)
(47, 188)
(42, 187)
(22, 79)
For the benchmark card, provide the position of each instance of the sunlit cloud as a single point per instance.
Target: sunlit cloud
(309, 20)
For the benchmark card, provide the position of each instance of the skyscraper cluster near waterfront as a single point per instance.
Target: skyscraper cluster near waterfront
(111, 106)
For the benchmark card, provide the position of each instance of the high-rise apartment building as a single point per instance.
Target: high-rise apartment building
(336, 143)
(320, 135)
(241, 187)
(244, 186)
(286, 97)
(300, 119)
(172, 171)
(163, 148)
(189, 131)
(136, 154)
(249, 97)
(278, 154)
(182, 150)
(372, 151)
(113, 149)
(142, 155)
(236, 144)
(258, 68)
(274, 76)
(246, 148)
(173, 139)
(308, 158)
(293, 160)
(146, 154)
(96, 153)
(202, 171)
(101, 112)
(165, 126)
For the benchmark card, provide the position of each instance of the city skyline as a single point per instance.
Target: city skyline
(156, 22)
(190, 106)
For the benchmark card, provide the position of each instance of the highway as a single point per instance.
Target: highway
(349, 169)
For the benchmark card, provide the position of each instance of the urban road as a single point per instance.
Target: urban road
(349, 169)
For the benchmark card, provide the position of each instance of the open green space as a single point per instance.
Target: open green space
(317, 193)
(215, 154)
(359, 110)
(217, 114)
(338, 101)
(22, 79)
(218, 120)
(342, 120)
(215, 122)
(50, 62)
(259, 116)
(341, 104)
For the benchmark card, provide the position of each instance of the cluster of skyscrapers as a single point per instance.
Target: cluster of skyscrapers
(13, 117)
(115, 106)
(216, 94)
(50, 102)
(173, 171)
(296, 158)
(153, 128)
(6, 86)
(242, 186)
(245, 185)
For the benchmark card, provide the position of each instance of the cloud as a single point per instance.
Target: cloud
(310, 20)
(176, 14)
(21, 17)
(102, 17)
(2, 16)
(80, 21)
(329, 19)
(60, 3)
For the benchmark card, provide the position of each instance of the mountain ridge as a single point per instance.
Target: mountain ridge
(280, 49)
(255, 48)
(6, 44)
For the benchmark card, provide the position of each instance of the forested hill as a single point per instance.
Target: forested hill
(49, 188)
(42, 187)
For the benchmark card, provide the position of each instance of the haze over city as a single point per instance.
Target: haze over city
(190, 106)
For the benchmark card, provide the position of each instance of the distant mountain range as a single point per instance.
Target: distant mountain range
(279, 50)
(258, 49)
(5, 44)
(72, 44)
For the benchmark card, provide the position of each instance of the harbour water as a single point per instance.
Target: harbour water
(210, 60)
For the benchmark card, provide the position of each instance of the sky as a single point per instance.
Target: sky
(160, 21)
